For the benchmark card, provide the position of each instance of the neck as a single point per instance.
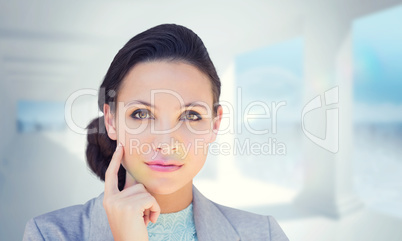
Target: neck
(177, 201)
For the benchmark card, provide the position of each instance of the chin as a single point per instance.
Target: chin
(162, 187)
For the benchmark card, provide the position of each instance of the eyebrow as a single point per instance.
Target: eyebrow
(153, 106)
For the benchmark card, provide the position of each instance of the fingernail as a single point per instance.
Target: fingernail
(118, 146)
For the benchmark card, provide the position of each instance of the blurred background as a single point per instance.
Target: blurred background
(314, 85)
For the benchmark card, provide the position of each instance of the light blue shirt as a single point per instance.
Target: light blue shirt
(178, 226)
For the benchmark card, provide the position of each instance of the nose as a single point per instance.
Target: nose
(168, 147)
(165, 139)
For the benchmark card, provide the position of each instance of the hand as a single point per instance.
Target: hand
(130, 210)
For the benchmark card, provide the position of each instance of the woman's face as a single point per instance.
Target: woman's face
(164, 116)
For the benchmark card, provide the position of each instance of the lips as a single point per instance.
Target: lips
(164, 166)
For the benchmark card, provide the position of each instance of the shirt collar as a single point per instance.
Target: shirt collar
(181, 221)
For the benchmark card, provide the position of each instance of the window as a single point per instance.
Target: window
(37, 116)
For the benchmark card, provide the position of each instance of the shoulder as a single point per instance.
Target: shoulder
(252, 226)
(218, 222)
(64, 224)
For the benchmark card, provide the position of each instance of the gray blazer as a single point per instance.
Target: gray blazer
(212, 222)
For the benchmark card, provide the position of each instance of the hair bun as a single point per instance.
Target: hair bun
(100, 149)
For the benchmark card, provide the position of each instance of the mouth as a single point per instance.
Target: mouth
(164, 166)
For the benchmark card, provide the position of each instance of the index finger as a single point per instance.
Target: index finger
(111, 179)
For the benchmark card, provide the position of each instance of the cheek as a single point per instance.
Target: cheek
(194, 145)
(196, 136)
(198, 133)
(135, 155)
(128, 127)
(198, 128)
(139, 145)
(131, 132)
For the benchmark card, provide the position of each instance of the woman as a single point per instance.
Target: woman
(161, 111)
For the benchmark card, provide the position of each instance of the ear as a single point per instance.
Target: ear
(109, 122)
(216, 122)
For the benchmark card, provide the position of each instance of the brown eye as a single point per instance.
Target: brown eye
(192, 116)
(141, 114)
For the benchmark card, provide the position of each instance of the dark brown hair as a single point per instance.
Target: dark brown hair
(167, 42)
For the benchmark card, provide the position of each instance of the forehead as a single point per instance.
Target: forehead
(177, 78)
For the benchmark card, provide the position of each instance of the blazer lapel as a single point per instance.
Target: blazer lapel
(210, 222)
